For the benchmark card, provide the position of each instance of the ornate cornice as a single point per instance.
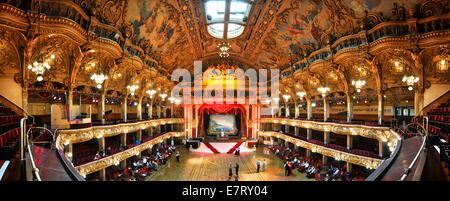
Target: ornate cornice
(368, 162)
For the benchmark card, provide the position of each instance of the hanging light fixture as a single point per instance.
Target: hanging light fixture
(301, 94)
(443, 59)
(151, 92)
(358, 84)
(163, 96)
(133, 88)
(41, 65)
(99, 79)
(224, 47)
(286, 97)
(410, 80)
(323, 90)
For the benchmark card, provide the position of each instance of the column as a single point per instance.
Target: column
(150, 110)
(326, 109)
(380, 95)
(308, 134)
(101, 107)
(380, 148)
(349, 142)
(308, 109)
(123, 164)
(349, 108)
(139, 109)
(139, 135)
(101, 144)
(102, 174)
(326, 137)
(279, 110)
(418, 102)
(308, 153)
(324, 159)
(348, 167)
(296, 130)
(297, 111)
(158, 111)
(123, 139)
(69, 153)
(123, 112)
(69, 104)
(286, 108)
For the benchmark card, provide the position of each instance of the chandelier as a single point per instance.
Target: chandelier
(151, 92)
(286, 97)
(163, 96)
(410, 80)
(358, 84)
(133, 88)
(301, 94)
(40, 67)
(224, 47)
(99, 79)
(323, 90)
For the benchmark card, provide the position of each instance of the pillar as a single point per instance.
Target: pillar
(158, 111)
(123, 139)
(296, 130)
(380, 148)
(279, 111)
(101, 144)
(380, 95)
(418, 102)
(308, 134)
(286, 109)
(69, 153)
(139, 109)
(349, 108)
(150, 111)
(123, 164)
(101, 107)
(102, 174)
(297, 111)
(123, 112)
(348, 167)
(308, 109)
(349, 142)
(326, 109)
(326, 137)
(69, 104)
(308, 153)
(324, 159)
(139, 135)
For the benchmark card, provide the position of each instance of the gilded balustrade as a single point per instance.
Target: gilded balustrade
(86, 134)
(115, 159)
(384, 134)
(368, 162)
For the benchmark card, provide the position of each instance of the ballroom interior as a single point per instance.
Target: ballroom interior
(113, 90)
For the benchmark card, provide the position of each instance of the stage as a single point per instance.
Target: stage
(222, 147)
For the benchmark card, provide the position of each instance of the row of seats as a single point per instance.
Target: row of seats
(9, 119)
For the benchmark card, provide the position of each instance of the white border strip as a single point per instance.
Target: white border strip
(3, 169)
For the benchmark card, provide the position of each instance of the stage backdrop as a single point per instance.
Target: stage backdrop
(232, 109)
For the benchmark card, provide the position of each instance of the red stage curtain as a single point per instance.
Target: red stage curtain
(209, 109)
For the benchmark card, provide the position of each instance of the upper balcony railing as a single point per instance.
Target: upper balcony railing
(86, 134)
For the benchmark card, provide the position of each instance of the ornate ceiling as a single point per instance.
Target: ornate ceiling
(144, 39)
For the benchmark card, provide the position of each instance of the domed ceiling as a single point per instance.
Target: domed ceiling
(277, 32)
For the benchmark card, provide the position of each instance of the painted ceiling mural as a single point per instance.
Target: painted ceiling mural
(304, 26)
(159, 22)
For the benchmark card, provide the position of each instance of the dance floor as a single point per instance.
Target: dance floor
(214, 167)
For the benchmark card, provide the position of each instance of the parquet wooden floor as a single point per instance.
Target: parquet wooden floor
(214, 167)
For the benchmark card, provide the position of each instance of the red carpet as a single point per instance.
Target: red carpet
(211, 147)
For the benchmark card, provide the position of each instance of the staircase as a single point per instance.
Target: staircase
(214, 150)
(234, 148)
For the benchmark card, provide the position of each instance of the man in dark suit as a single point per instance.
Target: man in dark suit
(237, 168)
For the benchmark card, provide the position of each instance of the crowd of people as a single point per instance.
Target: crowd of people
(312, 166)
(137, 169)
